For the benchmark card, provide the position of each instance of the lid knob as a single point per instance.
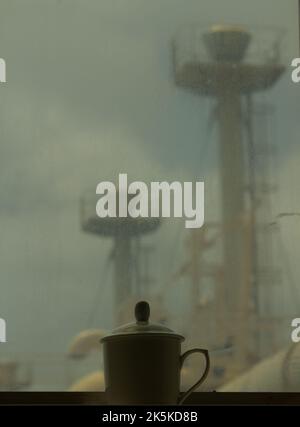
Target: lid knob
(142, 311)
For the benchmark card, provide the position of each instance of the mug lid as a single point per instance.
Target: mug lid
(142, 326)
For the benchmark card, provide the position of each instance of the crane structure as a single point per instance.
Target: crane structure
(230, 64)
(130, 258)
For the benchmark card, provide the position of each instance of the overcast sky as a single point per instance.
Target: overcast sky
(90, 93)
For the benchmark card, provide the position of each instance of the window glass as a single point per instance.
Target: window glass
(162, 91)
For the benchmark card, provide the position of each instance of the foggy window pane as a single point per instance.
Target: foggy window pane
(163, 91)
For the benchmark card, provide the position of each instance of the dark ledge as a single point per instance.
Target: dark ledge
(98, 398)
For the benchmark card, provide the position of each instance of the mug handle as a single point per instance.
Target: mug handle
(204, 375)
